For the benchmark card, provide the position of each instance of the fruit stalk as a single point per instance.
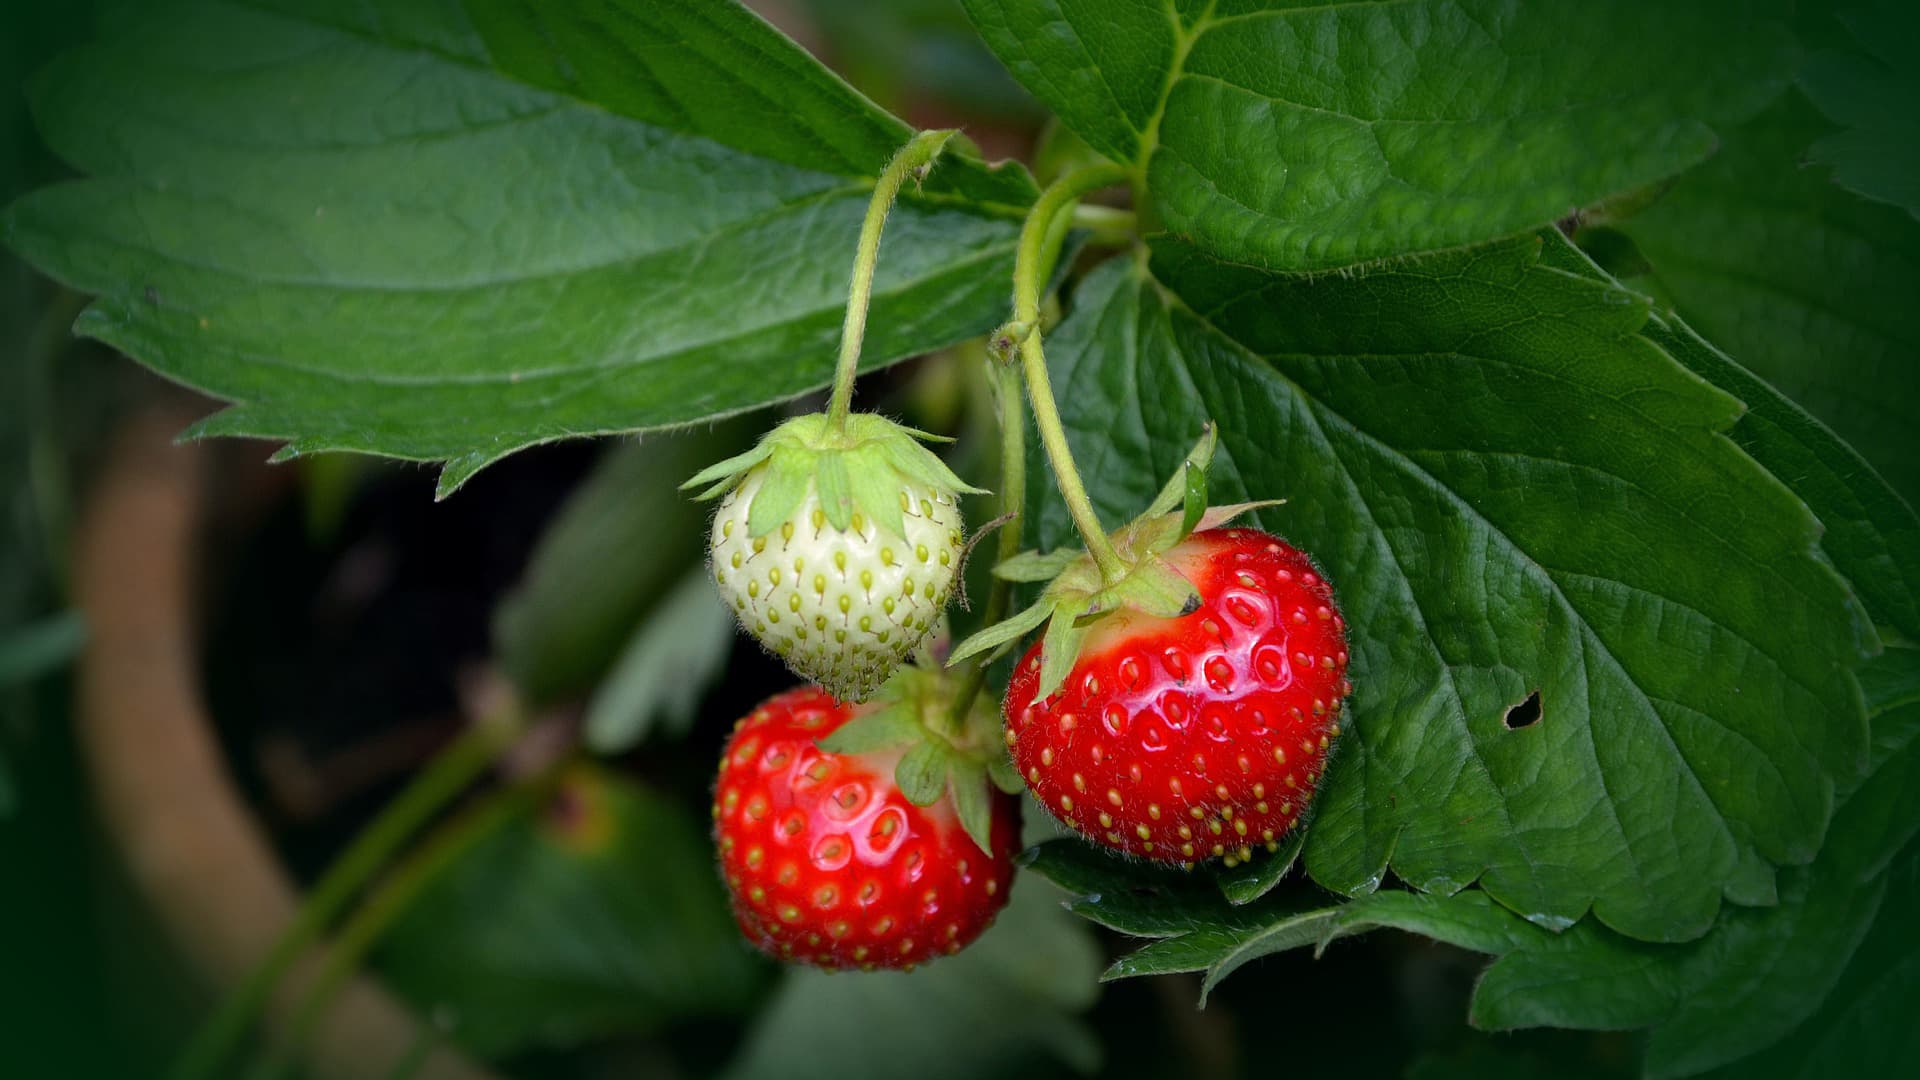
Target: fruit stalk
(1013, 498)
(912, 159)
(1030, 272)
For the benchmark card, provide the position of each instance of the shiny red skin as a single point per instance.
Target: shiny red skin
(1195, 737)
(828, 863)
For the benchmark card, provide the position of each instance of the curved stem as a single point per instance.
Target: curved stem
(1013, 498)
(912, 159)
(364, 928)
(1030, 269)
(458, 766)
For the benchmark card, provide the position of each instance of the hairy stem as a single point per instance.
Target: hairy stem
(912, 159)
(451, 773)
(1032, 266)
(1013, 498)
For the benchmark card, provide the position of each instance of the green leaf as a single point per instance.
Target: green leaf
(596, 916)
(1869, 532)
(446, 232)
(1007, 1005)
(1869, 90)
(922, 772)
(622, 541)
(879, 729)
(1865, 1027)
(1256, 878)
(1733, 992)
(1761, 971)
(1801, 282)
(674, 656)
(1513, 489)
(1305, 136)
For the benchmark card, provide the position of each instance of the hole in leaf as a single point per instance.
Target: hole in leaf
(1525, 714)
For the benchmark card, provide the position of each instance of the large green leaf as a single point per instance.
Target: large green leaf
(440, 231)
(1756, 975)
(1866, 1026)
(1514, 489)
(1799, 280)
(1296, 135)
(598, 915)
(1005, 1005)
(1870, 90)
(1762, 971)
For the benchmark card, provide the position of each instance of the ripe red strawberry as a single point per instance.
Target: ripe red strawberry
(1198, 736)
(828, 861)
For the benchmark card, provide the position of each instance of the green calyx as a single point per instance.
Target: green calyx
(1077, 596)
(857, 468)
(913, 713)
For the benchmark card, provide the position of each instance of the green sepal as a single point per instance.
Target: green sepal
(973, 801)
(1153, 586)
(1037, 565)
(888, 728)
(925, 467)
(1177, 491)
(1001, 771)
(926, 436)
(836, 489)
(722, 475)
(1217, 516)
(789, 474)
(922, 772)
(1196, 506)
(876, 489)
(1010, 629)
(1059, 651)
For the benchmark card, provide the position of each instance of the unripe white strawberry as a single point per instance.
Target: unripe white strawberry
(837, 548)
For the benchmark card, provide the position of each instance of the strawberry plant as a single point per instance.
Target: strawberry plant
(1428, 471)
